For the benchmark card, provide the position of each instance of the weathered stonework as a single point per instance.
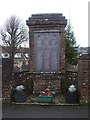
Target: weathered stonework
(39, 80)
(41, 85)
(47, 23)
(42, 81)
(84, 76)
(7, 69)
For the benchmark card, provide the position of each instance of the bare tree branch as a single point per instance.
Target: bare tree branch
(14, 34)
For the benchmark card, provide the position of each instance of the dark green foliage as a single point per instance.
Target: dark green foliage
(71, 53)
(67, 84)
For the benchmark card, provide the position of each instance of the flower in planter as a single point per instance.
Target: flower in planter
(45, 96)
(71, 95)
(72, 89)
(20, 89)
(20, 94)
(46, 92)
(42, 93)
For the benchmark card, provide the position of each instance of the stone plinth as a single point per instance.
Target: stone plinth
(43, 80)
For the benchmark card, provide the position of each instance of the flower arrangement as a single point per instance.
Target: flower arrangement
(45, 92)
(72, 89)
(45, 96)
(20, 89)
(20, 94)
(71, 95)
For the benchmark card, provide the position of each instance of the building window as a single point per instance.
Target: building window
(5, 55)
(17, 55)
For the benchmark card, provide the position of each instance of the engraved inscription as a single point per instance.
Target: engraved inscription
(47, 51)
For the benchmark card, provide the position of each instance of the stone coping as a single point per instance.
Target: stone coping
(39, 19)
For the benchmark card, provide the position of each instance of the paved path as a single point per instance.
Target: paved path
(37, 111)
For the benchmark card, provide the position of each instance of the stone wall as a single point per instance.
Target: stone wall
(34, 81)
(84, 76)
(72, 78)
(41, 81)
(8, 86)
(54, 81)
(7, 69)
(41, 85)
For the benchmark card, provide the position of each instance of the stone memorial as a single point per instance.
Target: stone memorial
(47, 51)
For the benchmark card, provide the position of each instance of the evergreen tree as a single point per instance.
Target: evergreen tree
(70, 51)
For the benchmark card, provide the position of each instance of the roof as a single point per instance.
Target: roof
(24, 50)
(83, 50)
(85, 57)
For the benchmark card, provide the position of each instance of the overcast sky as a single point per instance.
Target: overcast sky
(76, 9)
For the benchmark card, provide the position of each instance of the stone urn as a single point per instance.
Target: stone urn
(71, 95)
(71, 98)
(20, 97)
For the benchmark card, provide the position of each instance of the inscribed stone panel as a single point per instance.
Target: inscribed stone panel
(47, 51)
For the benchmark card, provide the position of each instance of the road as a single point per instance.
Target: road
(37, 111)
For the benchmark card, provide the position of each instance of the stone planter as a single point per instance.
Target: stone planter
(20, 97)
(45, 98)
(71, 98)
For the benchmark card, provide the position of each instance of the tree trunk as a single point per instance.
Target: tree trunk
(12, 59)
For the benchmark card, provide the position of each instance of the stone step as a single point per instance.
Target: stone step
(35, 103)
